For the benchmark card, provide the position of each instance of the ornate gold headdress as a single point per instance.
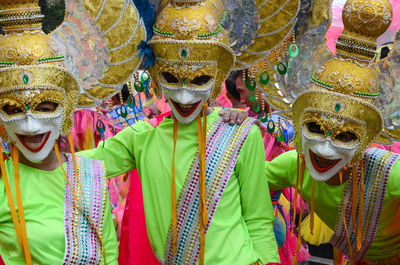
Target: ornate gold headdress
(345, 87)
(191, 31)
(75, 66)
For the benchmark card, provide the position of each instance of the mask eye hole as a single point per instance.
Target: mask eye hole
(201, 80)
(314, 128)
(346, 137)
(170, 78)
(12, 110)
(46, 107)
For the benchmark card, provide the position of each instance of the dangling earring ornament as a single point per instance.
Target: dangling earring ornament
(124, 110)
(282, 68)
(139, 87)
(131, 100)
(264, 77)
(280, 137)
(100, 127)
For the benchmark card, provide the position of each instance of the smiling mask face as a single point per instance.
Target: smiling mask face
(33, 120)
(187, 87)
(329, 144)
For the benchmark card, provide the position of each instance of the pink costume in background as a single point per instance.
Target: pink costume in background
(135, 248)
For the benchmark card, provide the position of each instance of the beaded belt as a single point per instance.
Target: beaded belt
(377, 165)
(223, 145)
(82, 246)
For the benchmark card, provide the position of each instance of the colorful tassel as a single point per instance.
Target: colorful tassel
(174, 205)
(202, 132)
(24, 237)
(11, 204)
(312, 208)
(296, 188)
(344, 218)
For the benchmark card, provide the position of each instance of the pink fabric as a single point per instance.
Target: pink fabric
(223, 100)
(1, 262)
(272, 147)
(155, 121)
(395, 148)
(134, 247)
(162, 104)
(336, 27)
(86, 119)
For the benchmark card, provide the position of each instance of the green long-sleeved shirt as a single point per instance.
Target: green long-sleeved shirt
(43, 198)
(281, 173)
(241, 231)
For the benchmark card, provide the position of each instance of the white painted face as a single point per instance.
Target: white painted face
(330, 145)
(186, 88)
(33, 129)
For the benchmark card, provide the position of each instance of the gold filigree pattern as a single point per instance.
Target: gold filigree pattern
(364, 21)
(357, 112)
(187, 73)
(347, 77)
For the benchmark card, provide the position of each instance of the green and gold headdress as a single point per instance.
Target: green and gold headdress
(346, 87)
(81, 63)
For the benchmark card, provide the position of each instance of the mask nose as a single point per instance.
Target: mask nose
(324, 150)
(30, 126)
(184, 97)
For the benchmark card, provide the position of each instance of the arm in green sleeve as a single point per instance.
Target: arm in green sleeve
(109, 237)
(281, 171)
(254, 194)
(119, 151)
(393, 186)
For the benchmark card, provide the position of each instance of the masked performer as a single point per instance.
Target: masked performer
(52, 214)
(353, 189)
(203, 197)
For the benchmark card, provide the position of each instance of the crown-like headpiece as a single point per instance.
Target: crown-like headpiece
(30, 62)
(188, 32)
(56, 66)
(346, 86)
(364, 21)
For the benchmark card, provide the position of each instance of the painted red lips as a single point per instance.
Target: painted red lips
(322, 164)
(26, 139)
(185, 109)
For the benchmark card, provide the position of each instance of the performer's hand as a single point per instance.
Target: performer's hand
(233, 116)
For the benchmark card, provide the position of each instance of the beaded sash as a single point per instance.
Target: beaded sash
(223, 145)
(377, 166)
(82, 246)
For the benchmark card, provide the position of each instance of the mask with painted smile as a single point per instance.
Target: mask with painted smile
(329, 144)
(187, 87)
(32, 120)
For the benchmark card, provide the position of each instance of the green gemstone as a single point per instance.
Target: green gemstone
(293, 50)
(337, 107)
(27, 107)
(25, 79)
(184, 53)
(264, 78)
(329, 133)
(184, 81)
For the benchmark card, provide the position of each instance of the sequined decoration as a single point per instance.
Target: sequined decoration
(82, 246)
(377, 164)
